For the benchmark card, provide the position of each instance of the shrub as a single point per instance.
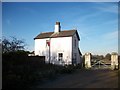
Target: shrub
(68, 69)
(19, 71)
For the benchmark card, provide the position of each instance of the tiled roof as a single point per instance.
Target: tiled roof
(65, 33)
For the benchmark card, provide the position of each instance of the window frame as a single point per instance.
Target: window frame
(75, 42)
(60, 57)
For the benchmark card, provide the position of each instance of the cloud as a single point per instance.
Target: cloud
(111, 22)
(86, 17)
(110, 7)
(111, 35)
(83, 35)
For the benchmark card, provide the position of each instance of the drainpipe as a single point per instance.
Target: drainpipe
(49, 50)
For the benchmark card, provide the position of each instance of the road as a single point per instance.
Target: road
(84, 79)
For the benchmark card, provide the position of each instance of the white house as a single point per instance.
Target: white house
(59, 47)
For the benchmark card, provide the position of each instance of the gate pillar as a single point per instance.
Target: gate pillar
(114, 61)
(87, 60)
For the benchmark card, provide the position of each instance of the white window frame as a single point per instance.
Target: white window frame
(58, 56)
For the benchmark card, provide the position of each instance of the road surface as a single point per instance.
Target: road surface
(84, 79)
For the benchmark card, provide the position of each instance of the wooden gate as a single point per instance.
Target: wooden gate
(99, 64)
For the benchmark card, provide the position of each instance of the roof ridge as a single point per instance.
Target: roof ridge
(60, 31)
(47, 32)
(69, 30)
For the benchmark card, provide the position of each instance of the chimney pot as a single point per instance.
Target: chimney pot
(57, 23)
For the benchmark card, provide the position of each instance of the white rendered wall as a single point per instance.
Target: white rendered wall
(61, 45)
(57, 45)
(41, 49)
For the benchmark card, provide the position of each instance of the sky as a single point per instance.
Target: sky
(96, 22)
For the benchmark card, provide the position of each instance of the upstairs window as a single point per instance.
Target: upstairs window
(75, 43)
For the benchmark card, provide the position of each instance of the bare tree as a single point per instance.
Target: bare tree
(12, 45)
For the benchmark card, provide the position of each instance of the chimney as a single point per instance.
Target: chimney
(57, 27)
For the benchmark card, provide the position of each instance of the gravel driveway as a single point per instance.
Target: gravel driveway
(84, 79)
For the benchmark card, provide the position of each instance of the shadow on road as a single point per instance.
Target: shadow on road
(100, 78)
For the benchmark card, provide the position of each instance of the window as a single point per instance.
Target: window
(75, 58)
(75, 42)
(75, 55)
(60, 56)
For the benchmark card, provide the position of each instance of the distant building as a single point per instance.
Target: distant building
(59, 47)
(31, 53)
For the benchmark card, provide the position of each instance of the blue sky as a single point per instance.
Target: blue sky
(96, 22)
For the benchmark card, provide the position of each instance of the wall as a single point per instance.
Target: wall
(41, 48)
(57, 45)
(75, 49)
(61, 45)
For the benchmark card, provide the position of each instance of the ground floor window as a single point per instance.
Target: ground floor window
(60, 56)
(75, 56)
(74, 60)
